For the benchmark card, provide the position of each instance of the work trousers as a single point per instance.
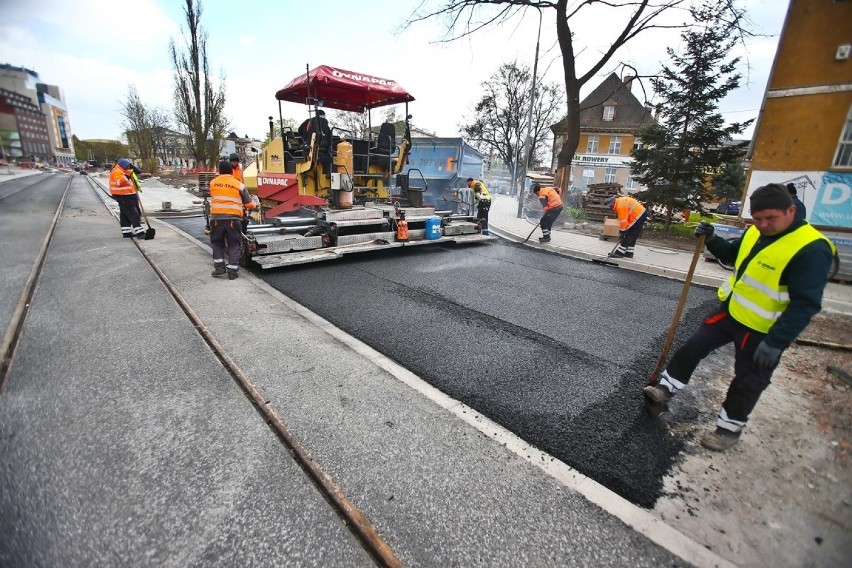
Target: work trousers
(129, 217)
(548, 219)
(629, 237)
(749, 379)
(226, 237)
(482, 209)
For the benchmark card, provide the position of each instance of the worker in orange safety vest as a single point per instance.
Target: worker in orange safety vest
(552, 204)
(631, 218)
(237, 170)
(124, 191)
(228, 198)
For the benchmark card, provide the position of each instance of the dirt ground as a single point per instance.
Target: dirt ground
(783, 495)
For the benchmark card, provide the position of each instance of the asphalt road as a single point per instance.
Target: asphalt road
(554, 349)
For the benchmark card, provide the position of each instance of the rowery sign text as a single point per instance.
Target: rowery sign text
(601, 160)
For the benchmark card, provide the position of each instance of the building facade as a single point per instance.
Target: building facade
(803, 134)
(34, 124)
(610, 120)
(23, 129)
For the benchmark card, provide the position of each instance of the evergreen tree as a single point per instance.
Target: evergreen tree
(728, 182)
(679, 153)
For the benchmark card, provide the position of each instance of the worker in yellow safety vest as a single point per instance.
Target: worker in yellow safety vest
(781, 267)
(228, 198)
(123, 190)
(631, 218)
(482, 198)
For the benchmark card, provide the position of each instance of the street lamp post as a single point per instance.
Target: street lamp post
(522, 193)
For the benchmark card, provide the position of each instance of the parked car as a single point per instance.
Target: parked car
(729, 208)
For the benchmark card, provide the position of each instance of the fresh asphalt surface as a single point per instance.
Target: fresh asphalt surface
(555, 350)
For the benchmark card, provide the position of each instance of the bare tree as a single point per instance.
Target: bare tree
(462, 17)
(138, 129)
(499, 125)
(199, 105)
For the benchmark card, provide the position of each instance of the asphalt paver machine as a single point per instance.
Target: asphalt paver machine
(327, 193)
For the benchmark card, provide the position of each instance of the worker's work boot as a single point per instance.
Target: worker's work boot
(657, 393)
(657, 399)
(720, 440)
(628, 255)
(616, 254)
(233, 275)
(545, 239)
(218, 271)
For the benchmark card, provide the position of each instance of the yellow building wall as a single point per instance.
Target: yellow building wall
(813, 31)
(800, 133)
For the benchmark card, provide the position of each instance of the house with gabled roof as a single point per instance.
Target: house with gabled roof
(610, 119)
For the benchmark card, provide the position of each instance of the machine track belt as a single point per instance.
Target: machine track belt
(355, 520)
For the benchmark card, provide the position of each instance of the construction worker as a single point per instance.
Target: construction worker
(781, 267)
(228, 198)
(237, 170)
(631, 218)
(482, 199)
(551, 201)
(801, 210)
(124, 191)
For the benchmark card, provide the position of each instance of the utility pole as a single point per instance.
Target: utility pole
(522, 194)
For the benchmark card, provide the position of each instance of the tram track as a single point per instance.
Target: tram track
(354, 519)
(16, 323)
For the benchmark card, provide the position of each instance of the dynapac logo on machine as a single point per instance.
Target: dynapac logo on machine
(266, 180)
(363, 78)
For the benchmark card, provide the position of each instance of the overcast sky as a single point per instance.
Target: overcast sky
(94, 49)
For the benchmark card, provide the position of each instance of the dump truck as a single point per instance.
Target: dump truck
(325, 193)
(446, 164)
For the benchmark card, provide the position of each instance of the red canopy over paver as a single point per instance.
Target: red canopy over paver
(343, 90)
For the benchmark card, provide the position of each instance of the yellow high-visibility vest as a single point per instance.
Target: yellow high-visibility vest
(757, 298)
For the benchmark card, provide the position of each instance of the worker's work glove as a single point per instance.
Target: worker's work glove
(706, 229)
(766, 356)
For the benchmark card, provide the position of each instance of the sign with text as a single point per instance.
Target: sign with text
(827, 195)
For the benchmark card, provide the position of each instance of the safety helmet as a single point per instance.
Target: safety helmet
(234, 158)
(610, 201)
(124, 163)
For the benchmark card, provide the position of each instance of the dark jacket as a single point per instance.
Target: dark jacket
(805, 277)
(801, 212)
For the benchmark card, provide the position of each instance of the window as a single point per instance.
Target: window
(608, 112)
(843, 155)
(592, 146)
(615, 145)
(631, 183)
(588, 177)
(609, 177)
(637, 144)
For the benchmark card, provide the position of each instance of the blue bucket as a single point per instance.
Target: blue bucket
(433, 228)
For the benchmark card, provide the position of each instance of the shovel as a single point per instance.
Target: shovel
(150, 231)
(657, 408)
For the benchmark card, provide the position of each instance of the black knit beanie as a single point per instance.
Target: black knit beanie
(772, 196)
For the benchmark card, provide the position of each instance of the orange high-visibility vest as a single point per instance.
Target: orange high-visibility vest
(238, 174)
(119, 182)
(628, 210)
(553, 199)
(225, 198)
